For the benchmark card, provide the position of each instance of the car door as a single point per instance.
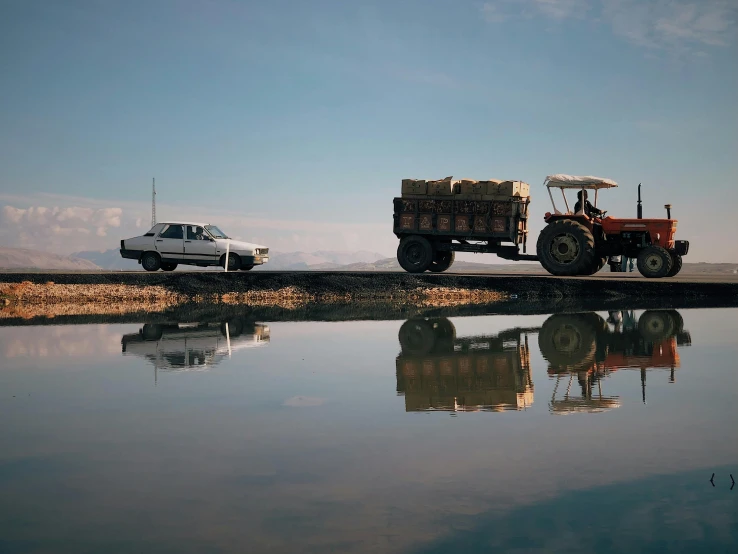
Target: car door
(170, 243)
(199, 247)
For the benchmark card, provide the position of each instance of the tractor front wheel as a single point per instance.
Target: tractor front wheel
(566, 247)
(676, 266)
(654, 262)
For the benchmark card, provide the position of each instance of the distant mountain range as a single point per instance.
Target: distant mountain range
(21, 258)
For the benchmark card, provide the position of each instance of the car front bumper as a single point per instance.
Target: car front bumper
(254, 260)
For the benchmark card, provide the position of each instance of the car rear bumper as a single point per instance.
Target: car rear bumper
(681, 247)
(131, 254)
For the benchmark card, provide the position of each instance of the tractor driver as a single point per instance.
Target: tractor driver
(589, 209)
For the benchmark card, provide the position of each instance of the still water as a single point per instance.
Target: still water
(591, 432)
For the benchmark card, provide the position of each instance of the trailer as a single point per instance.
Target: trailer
(435, 219)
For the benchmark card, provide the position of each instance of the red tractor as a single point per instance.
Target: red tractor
(581, 241)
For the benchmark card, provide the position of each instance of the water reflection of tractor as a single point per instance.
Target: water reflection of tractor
(588, 347)
(193, 346)
(438, 371)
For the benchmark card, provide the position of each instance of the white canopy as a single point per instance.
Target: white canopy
(573, 182)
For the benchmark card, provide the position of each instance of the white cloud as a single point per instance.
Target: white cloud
(76, 224)
(673, 24)
(496, 11)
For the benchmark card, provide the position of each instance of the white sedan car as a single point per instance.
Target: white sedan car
(167, 245)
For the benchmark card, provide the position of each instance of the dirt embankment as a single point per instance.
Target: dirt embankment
(28, 299)
(133, 292)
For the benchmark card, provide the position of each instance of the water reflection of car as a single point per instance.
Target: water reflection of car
(438, 371)
(588, 347)
(193, 346)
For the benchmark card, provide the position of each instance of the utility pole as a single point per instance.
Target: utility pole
(153, 202)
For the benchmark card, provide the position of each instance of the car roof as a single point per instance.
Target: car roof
(182, 223)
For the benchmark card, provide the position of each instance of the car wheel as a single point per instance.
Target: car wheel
(234, 262)
(168, 266)
(247, 268)
(151, 261)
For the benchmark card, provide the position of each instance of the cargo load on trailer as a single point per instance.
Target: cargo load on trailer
(480, 216)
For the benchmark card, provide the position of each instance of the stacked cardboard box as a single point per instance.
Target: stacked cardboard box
(508, 189)
(442, 187)
(466, 189)
(412, 187)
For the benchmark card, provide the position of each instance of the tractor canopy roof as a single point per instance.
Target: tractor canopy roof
(573, 182)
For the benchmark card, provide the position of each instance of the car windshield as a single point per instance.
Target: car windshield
(217, 233)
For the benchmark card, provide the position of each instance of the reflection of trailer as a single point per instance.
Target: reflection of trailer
(584, 345)
(438, 371)
(193, 346)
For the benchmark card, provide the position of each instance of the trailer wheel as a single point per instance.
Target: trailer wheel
(442, 260)
(654, 262)
(676, 261)
(566, 247)
(416, 337)
(415, 254)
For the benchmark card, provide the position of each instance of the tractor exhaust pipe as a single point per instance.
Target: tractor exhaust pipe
(668, 211)
(640, 208)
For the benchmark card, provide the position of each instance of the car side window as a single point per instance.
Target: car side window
(172, 232)
(195, 232)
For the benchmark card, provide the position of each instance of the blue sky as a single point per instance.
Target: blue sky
(292, 123)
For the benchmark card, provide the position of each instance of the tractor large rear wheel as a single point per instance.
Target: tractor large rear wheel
(676, 266)
(599, 264)
(654, 262)
(566, 247)
(415, 254)
(568, 342)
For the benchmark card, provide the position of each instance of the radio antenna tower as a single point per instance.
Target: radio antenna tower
(153, 202)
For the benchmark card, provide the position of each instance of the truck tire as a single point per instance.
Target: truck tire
(151, 261)
(654, 262)
(676, 261)
(566, 247)
(415, 254)
(442, 261)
